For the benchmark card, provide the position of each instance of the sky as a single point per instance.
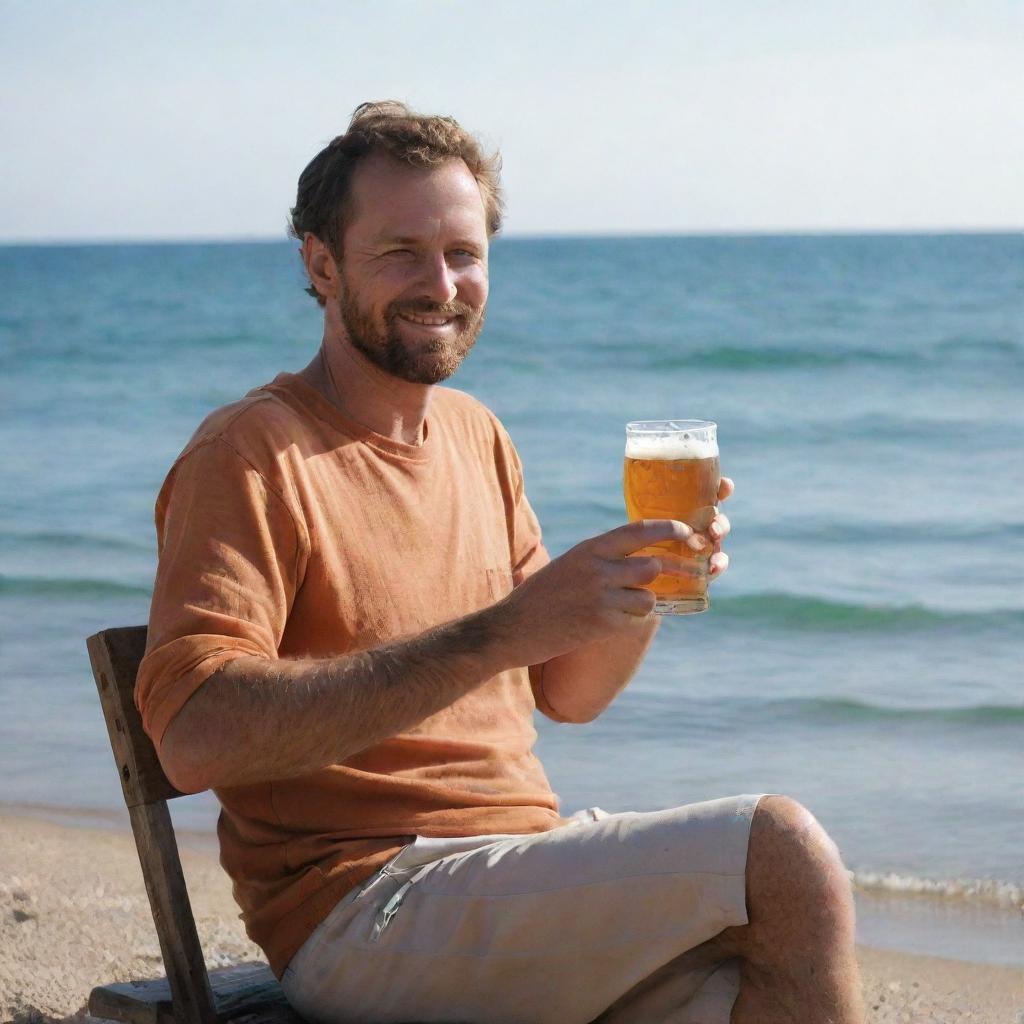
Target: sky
(188, 120)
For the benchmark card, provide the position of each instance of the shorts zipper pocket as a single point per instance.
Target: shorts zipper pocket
(388, 912)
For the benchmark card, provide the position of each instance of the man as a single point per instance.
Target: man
(353, 620)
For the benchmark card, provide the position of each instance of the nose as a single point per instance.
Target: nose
(438, 280)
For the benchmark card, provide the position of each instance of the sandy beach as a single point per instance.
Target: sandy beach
(74, 913)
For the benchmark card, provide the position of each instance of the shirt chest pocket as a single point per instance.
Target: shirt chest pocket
(384, 604)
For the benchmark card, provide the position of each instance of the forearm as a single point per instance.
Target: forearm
(580, 684)
(256, 719)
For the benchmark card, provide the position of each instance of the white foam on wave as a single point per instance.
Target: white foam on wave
(663, 447)
(990, 892)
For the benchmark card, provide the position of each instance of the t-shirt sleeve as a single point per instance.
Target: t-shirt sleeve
(528, 555)
(531, 554)
(525, 541)
(230, 563)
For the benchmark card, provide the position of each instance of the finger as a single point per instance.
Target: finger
(624, 540)
(719, 563)
(725, 488)
(698, 543)
(683, 566)
(720, 526)
(634, 570)
(635, 601)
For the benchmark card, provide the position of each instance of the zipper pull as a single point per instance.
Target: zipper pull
(389, 911)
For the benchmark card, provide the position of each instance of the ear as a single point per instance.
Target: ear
(320, 265)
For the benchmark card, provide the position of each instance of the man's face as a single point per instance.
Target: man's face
(414, 267)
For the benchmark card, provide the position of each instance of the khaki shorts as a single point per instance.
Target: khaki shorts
(598, 919)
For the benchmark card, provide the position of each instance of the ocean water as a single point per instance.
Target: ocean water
(862, 654)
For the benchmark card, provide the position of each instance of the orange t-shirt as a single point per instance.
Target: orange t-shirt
(288, 531)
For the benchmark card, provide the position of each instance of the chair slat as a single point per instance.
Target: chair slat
(172, 913)
(248, 991)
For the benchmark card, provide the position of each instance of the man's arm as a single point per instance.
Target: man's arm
(580, 684)
(258, 719)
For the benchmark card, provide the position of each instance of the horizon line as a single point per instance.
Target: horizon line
(773, 232)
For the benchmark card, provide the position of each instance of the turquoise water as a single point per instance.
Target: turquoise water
(863, 653)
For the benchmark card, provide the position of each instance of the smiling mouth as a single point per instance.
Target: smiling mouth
(427, 321)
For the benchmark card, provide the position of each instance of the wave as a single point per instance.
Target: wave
(740, 357)
(849, 709)
(44, 586)
(72, 541)
(737, 357)
(965, 348)
(826, 531)
(980, 891)
(733, 713)
(791, 611)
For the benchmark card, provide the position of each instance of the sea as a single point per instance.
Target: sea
(863, 654)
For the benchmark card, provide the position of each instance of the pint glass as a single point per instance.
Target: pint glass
(671, 472)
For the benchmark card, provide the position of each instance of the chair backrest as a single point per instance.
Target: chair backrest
(115, 655)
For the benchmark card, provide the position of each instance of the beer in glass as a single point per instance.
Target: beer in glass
(671, 472)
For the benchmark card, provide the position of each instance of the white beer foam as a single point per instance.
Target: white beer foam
(684, 445)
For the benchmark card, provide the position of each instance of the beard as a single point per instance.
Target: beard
(425, 362)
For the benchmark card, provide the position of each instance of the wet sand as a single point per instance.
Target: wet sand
(74, 913)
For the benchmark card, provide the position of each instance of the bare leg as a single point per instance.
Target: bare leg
(797, 953)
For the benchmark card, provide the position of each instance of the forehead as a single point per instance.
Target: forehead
(393, 200)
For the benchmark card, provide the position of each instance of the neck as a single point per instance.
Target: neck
(387, 405)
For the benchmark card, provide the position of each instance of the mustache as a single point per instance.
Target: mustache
(424, 308)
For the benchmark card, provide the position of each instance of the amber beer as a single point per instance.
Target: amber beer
(671, 472)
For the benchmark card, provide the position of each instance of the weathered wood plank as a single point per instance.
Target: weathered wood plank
(172, 913)
(249, 989)
(185, 996)
(248, 992)
(115, 655)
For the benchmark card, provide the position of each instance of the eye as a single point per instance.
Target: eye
(399, 253)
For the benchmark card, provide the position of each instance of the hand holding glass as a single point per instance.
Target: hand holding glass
(672, 472)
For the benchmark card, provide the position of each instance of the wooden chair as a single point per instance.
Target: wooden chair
(188, 995)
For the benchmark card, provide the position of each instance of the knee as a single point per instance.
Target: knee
(798, 891)
(787, 842)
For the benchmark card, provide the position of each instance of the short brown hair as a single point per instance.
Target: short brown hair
(391, 128)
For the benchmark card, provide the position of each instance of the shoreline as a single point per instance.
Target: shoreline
(74, 913)
(977, 922)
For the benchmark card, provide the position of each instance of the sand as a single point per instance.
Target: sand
(74, 913)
